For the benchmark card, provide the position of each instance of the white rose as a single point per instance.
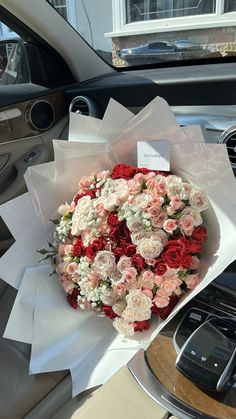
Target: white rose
(111, 202)
(105, 260)
(64, 209)
(130, 315)
(198, 200)
(83, 204)
(123, 327)
(138, 301)
(138, 236)
(150, 248)
(108, 297)
(142, 200)
(197, 219)
(124, 263)
(119, 307)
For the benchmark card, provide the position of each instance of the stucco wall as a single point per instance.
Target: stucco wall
(94, 19)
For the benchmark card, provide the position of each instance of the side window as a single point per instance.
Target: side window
(13, 63)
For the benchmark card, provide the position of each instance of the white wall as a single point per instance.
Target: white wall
(94, 19)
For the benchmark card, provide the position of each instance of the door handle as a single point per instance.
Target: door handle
(38, 154)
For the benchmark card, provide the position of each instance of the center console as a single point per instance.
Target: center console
(188, 368)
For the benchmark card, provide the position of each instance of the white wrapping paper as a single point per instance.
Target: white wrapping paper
(62, 337)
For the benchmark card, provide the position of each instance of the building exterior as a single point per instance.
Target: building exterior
(110, 25)
(209, 23)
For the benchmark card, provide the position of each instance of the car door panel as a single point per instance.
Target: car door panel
(26, 139)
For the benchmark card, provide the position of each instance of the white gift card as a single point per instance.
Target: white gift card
(154, 155)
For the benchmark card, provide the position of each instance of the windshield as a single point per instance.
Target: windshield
(141, 32)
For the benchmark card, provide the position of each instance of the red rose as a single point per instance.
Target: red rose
(186, 261)
(72, 298)
(200, 234)
(94, 247)
(138, 262)
(108, 312)
(160, 267)
(113, 234)
(81, 195)
(113, 220)
(123, 232)
(140, 326)
(194, 246)
(78, 248)
(145, 171)
(130, 250)
(118, 252)
(123, 171)
(185, 243)
(173, 256)
(165, 311)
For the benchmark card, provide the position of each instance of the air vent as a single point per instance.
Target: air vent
(40, 115)
(84, 106)
(229, 138)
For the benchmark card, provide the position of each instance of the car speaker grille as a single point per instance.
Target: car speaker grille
(229, 138)
(84, 106)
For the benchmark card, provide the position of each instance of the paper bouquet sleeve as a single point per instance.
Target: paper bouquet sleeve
(65, 338)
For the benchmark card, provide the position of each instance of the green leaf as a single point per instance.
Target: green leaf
(55, 221)
(42, 251)
(154, 289)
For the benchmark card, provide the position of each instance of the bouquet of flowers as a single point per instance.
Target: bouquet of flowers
(128, 244)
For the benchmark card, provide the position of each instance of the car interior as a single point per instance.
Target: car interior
(60, 73)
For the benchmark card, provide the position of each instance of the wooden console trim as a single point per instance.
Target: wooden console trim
(20, 127)
(161, 356)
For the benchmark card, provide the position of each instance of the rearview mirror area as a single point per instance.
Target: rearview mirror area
(13, 62)
(24, 62)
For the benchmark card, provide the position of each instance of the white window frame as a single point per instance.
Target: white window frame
(211, 20)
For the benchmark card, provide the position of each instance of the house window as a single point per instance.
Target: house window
(133, 17)
(141, 10)
(61, 7)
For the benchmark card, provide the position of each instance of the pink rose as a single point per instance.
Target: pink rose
(176, 203)
(99, 210)
(124, 263)
(119, 289)
(162, 299)
(71, 268)
(160, 188)
(134, 187)
(67, 284)
(93, 279)
(61, 250)
(147, 275)
(154, 211)
(186, 223)
(148, 293)
(150, 183)
(192, 281)
(170, 284)
(157, 200)
(159, 220)
(158, 280)
(170, 225)
(69, 248)
(129, 275)
(140, 178)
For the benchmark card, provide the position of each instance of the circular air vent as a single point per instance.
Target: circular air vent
(229, 138)
(40, 115)
(85, 106)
